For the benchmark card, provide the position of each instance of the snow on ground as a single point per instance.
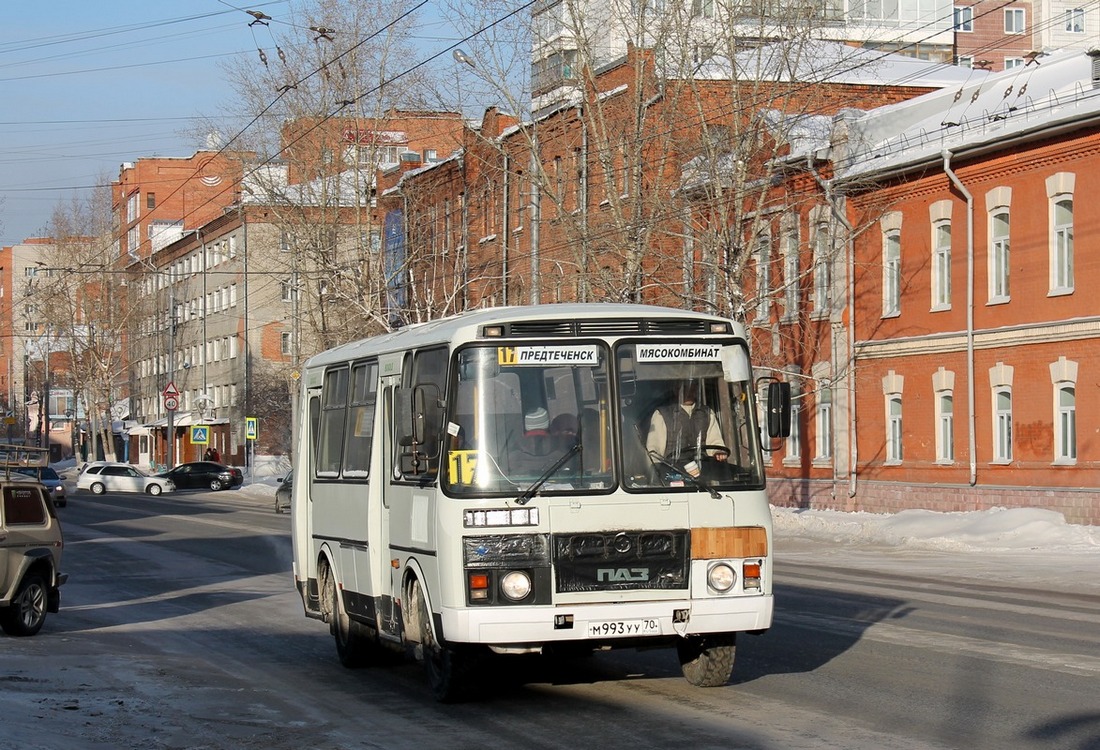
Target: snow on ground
(994, 530)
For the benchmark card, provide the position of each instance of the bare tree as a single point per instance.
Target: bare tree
(85, 308)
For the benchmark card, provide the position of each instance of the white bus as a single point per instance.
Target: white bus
(536, 479)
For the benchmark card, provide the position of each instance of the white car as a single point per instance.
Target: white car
(100, 477)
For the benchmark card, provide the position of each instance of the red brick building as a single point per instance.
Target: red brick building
(968, 345)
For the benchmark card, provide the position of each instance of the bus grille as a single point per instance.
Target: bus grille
(621, 561)
(608, 327)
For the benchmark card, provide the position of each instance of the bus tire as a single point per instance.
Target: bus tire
(707, 660)
(449, 672)
(352, 643)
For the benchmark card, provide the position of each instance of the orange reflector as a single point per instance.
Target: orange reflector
(479, 581)
(751, 570)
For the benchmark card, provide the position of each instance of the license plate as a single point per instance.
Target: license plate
(623, 628)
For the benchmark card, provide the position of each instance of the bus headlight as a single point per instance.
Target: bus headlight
(516, 585)
(721, 577)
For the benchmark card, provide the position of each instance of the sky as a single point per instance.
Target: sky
(86, 85)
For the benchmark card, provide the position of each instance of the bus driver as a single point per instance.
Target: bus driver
(683, 427)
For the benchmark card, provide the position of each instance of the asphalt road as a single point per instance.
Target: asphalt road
(180, 628)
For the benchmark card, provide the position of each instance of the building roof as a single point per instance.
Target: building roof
(1051, 92)
(820, 61)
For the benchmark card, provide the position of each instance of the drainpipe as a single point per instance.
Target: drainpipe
(970, 411)
(826, 188)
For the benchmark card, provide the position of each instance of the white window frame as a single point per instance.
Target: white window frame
(823, 422)
(1075, 20)
(1014, 62)
(1002, 424)
(823, 281)
(891, 273)
(999, 254)
(964, 18)
(1065, 423)
(763, 279)
(286, 343)
(1061, 245)
(945, 427)
(894, 432)
(1015, 21)
(791, 283)
(941, 265)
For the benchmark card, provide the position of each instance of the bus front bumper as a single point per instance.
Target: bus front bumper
(657, 620)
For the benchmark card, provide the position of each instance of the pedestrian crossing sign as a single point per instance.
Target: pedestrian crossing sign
(250, 429)
(200, 434)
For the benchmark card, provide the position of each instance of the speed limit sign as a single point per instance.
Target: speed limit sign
(171, 403)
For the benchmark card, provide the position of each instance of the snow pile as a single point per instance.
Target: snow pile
(997, 529)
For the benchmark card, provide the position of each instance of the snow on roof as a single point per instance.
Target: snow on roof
(820, 61)
(1049, 92)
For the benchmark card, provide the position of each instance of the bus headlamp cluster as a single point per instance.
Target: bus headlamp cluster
(721, 577)
(515, 585)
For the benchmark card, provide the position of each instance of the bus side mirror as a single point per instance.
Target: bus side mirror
(779, 409)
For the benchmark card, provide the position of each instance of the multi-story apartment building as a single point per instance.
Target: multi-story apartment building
(156, 199)
(571, 36)
(34, 355)
(226, 310)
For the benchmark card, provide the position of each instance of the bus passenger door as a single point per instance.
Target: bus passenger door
(389, 615)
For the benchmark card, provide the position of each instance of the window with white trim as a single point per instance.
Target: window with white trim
(790, 274)
(941, 265)
(1075, 20)
(945, 427)
(998, 255)
(893, 429)
(823, 281)
(1065, 438)
(763, 278)
(1014, 62)
(964, 18)
(1002, 424)
(891, 273)
(823, 421)
(1061, 249)
(1014, 20)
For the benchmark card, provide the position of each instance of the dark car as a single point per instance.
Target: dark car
(204, 475)
(282, 492)
(50, 479)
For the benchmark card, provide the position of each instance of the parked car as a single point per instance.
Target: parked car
(50, 479)
(282, 492)
(204, 475)
(102, 476)
(30, 555)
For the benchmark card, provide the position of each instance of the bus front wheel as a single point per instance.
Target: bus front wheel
(707, 660)
(449, 672)
(352, 642)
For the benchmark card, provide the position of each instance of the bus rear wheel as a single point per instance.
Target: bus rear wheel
(353, 644)
(450, 672)
(707, 660)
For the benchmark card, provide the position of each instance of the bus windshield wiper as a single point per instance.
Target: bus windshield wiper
(697, 481)
(527, 494)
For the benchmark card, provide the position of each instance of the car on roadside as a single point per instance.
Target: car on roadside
(283, 492)
(50, 479)
(104, 476)
(206, 475)
(31, 544)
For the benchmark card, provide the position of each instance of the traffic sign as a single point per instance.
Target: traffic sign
(200, 434)
(250, 428)
(171, 403)
(170, 390)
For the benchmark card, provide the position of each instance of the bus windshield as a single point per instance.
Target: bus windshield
(515, 412)
(687, 418)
